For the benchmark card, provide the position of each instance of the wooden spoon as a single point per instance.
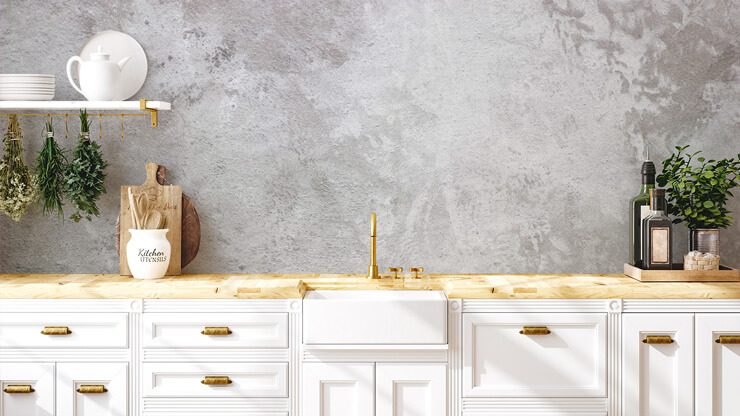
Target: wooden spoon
(154, 220)
(132, 206)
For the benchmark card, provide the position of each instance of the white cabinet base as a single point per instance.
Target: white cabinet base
(114, 377)
(40, 377)
(658, 379)
(338, 389)
(417, 389)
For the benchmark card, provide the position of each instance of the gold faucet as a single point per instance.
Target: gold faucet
(373, 268)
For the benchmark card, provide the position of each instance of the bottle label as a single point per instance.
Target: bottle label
(644, 212)
(659, 250)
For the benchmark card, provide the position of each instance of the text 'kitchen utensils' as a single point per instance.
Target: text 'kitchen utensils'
(112, 66)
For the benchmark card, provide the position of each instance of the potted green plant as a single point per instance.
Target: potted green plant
(697, 191)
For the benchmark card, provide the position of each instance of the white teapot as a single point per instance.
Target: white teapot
(99, 77)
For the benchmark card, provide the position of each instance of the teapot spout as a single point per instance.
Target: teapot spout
(123, 62)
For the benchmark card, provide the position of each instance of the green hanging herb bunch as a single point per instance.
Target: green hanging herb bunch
(17, 188)
(51, 171)
(85, 177)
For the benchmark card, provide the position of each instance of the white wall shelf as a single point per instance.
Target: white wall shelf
(46, 107)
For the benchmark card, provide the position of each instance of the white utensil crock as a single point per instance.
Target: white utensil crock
(148, 253)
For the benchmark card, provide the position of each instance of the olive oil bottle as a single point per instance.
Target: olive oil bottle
(639, 209)
(657, 234)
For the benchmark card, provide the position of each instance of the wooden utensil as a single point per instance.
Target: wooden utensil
(165, 199)
(154, 220)
(190, 226)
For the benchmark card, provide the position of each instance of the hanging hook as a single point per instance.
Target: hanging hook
(66, 129)
(121, 126)
(48, 116)
(100, 124)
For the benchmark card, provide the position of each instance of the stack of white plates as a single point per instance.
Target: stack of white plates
(26, 87)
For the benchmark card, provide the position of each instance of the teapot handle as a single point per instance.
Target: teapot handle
(69, 72)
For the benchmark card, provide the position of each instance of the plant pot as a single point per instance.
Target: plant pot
(705, 240)
(148, 253)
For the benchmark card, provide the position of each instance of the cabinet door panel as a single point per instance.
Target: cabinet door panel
(499, 360)
(72, 376)
(338, 389)
(40, 377)
(418, 389)
(658, 379)
(717, 365)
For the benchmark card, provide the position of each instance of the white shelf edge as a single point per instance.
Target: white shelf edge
(76, 105)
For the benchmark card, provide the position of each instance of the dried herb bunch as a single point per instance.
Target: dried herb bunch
(51, 171)
(85, 176)
(17, 188)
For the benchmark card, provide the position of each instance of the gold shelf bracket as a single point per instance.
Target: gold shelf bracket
(152, 111)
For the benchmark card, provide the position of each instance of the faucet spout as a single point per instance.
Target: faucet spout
(373, 268)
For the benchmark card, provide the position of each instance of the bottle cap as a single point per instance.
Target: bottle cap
(648, 167)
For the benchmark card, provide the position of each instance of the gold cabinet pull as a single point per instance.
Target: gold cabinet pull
(216, 381)
(15, 388)
(728, 339)
(216, 330)
(658, 339)
(535, 330)
(56, 330)
(87, 388)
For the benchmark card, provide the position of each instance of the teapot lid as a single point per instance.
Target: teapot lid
(99, 55)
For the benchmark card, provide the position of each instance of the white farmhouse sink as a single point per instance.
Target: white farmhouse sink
(374, 317)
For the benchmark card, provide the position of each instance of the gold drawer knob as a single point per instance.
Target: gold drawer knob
(216, 330)
(92, 388)
(658, 339)
(216, 381)
(416, 271)
(535, 330)
(728, 339)
(56, 330)
(16, 388)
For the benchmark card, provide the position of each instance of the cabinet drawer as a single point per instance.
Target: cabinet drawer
(84, 330)
(239, 330)
(501, 361)
(26, 389)
(189, 380)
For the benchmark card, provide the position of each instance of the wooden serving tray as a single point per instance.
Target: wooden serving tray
(724, 274)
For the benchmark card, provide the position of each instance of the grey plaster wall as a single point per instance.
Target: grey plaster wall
(489, 136)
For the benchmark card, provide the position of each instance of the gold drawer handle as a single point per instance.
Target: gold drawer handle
(727, 339)
(535, 330)
(56, 330)
(658, 339)
(18, 389)
(216, 330)
(216, 381)
(87, 388)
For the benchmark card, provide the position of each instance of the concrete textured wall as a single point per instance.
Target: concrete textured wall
(490, 136)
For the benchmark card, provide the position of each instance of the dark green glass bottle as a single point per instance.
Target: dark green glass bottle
(639, 209)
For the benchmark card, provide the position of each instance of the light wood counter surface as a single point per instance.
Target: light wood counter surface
(286, 286)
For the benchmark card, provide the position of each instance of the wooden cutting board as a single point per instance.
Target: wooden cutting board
(166, 199)
(190, 229)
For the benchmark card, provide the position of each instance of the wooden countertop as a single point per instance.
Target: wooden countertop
(287, 286)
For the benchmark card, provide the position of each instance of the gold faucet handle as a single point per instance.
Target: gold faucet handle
(395, 270)
(416, 271)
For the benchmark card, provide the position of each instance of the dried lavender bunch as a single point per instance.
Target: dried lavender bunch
(17, 187)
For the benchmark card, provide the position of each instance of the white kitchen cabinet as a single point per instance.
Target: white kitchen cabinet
(27, 389)
(504, 355)
(339, 389)
(78, 387)
(83, 330)
(658, 378)
(414, 389)
(717, 364)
